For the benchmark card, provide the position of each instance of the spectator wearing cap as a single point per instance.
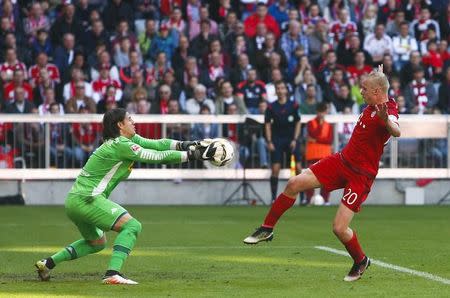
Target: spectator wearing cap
(10, 65)
(65, 24)
(115, 11)
(79, 100)
(42, 63)
(165, 42)
(261, 16)
(195, 25)
(378, 44)
(65, 54)
(17, 81)
(290, 41)
(100, 86)
(420, 94)
(193, 105)
(69, 88)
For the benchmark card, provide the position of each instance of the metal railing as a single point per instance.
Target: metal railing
(65, 142)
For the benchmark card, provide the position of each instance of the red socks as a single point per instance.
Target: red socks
(279, 206)
(354, 249)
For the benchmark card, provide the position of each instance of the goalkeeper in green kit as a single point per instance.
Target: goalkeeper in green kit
(87, 203)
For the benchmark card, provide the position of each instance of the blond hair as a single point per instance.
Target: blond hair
(379, 79)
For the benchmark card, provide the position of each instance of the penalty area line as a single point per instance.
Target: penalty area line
(422, 274)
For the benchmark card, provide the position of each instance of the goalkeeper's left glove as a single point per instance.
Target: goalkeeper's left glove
(192, 145)
(202, 153)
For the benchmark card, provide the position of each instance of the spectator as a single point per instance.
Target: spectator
(137, 82)
(433, 61)
(261, 16)
(302, 80)
(359, 68)
(108, 100)
(115, 11)
(309, 104)
(41, 44)
(160, 67)
(138, 95)
(226, 98)
(66, 24)
(316, 39)
(100, 85)
(401, 103)
(419, 27)
(276, 76)
(104, 59)
(126, 73)
(214, 70)
(195, 25)
(177, 90)
(334, 85)
(80, 100)
(85, 138)
(430, 36)
(94, 35)
(165, 42)
(42, 63)
(327, 68)
(145, 38)
(319, 145)
(444, 93)
(10, 65)
(65, 54)
(204, 130)
(344, 100)
(193, 105)
(347, 49)
(388, 66)
(216, 47)
(180, 56)
(202, 40)
(252, 91)
(161, 105)
(44, 82)
(395, 87)
(19, 104)
(193, 10)
(378, 44)
(69, 89)
(262, 56)
(406, 74)
(60, 149)
(17, 81)
(228, 25)
(176, 131)
(339, 28)
(83, 12)
(35, 21)
(48, 100)
(367, 24)
(290, 41)
(393, 26)
(176, 22)
(403, 45)
(420, 95)
(123, 31)
(279, 10)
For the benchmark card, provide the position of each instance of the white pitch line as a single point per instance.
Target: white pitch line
(391, 266)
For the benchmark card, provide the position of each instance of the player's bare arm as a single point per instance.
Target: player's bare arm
(392, 127)
(298, 126)
(268, 128)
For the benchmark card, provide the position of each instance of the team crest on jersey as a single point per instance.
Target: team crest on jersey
(373, 114)
(135, 148)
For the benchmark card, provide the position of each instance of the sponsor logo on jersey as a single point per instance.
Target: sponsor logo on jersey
(373, 114)
(135, 148)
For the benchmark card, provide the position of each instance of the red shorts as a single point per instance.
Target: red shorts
(334, 173)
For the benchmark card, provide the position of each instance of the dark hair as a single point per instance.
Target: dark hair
(110, 120)
(321, 107)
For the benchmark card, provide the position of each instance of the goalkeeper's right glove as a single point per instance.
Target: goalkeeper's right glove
(191, 145)
(202, 153)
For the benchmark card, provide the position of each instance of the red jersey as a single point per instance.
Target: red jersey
(86, 133)
(53, 72)
(9, 69)
(354, 73)
(368, 139)
(338, 29)
(8, 91)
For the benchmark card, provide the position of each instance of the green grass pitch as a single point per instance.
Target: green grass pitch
(198, 252)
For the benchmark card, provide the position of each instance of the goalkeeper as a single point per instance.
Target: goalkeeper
(87, 204)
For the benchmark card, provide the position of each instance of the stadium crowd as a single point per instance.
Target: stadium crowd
(214, 57)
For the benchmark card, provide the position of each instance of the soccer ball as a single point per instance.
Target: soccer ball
(224, 152)
(317, 200)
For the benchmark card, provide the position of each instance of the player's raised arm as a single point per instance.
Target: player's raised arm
(391, 125)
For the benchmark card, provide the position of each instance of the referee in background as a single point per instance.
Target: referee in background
(282, 126)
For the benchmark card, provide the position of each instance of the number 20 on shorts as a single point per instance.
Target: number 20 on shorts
(350, 197)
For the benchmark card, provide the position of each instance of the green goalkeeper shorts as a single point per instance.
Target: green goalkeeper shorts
(94, 216)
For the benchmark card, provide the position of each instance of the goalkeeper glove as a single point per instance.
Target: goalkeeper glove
(202, 153)
(191, 145)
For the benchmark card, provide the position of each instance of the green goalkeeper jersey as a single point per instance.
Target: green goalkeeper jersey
(113, 161)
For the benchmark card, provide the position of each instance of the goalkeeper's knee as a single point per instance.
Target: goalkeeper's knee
(132, 226)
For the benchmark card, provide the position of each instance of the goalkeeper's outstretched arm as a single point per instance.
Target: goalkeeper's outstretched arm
(167, 144)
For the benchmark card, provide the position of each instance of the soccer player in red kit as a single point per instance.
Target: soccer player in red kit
(353, 169)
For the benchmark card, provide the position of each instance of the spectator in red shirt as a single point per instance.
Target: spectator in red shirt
(261, 15)
(11, 63)
(100, 85)
(359, 67)
(42, 63)
(85, 138)
(17, 81)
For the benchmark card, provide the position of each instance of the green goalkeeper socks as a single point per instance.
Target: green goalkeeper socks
(124, 243)
(78, 249)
